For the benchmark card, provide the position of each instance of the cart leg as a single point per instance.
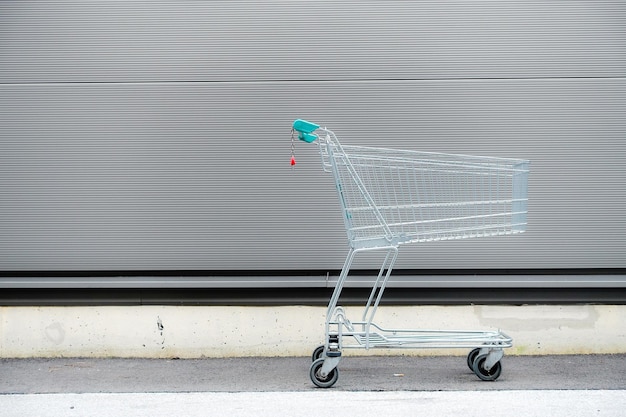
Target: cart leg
(380, 284)
(342, 278)
(333, 310)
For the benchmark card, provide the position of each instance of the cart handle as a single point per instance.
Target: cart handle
(305, 130)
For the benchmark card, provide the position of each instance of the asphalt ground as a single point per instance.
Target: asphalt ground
(370, 373)
(530, 386)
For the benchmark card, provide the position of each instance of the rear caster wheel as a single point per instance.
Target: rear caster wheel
(471, 357)
(317, 353)
(484, 374)
(319, 380)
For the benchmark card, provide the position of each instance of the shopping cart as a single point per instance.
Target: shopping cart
(391, 197)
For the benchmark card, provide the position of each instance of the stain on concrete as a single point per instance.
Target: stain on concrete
(55, 333)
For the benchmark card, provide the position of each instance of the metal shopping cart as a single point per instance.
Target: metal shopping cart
(391, 197)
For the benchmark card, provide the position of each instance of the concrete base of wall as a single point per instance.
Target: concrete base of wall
(195, 332)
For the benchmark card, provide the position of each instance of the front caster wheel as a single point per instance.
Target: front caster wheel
(319, 380)
(317, 353)
(484, 374)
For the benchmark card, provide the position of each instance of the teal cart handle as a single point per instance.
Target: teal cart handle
(305, 130)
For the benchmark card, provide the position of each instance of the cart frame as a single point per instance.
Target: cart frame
(392, 197)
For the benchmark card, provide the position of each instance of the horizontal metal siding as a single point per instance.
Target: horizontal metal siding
(132, 145)
(146, 186)
(273, 40)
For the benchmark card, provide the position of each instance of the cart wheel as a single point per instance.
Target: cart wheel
(471, 357)
(482, 373)
(317, 353)
(318, 380)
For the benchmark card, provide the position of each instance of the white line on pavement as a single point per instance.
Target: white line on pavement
(320, 403)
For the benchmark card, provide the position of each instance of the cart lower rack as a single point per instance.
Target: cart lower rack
(391, 197)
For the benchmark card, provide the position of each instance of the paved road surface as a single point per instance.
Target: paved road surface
(555, 386)
(291, 374)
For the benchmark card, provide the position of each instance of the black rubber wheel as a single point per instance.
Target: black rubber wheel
(317, 353)
(318, 380)
(482, 373)
(471, 357)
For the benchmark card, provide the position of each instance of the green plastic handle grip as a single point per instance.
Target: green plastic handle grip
(305, 130)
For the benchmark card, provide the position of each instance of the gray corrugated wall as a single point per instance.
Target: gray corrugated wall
(155, 135)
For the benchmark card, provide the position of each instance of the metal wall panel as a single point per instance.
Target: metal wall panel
(273, 40)
(155, 136)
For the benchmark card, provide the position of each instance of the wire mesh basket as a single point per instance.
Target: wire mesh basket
(405, 196)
